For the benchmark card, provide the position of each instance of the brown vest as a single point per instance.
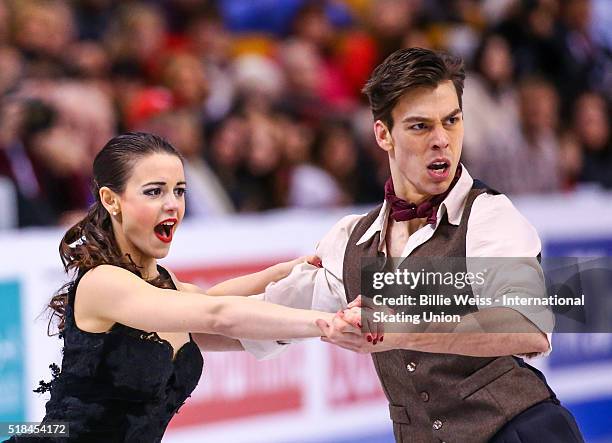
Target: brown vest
(443, 397)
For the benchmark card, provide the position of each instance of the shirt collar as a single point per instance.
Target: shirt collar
(380, 224)
(454, 202)
(453, 205)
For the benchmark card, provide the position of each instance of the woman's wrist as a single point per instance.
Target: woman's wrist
(315, 330)
(326, 317)
(282, 270)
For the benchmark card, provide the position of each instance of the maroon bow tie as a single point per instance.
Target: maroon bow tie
(401, 210)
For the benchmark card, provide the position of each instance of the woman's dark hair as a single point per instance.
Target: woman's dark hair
(408, 69)
(91, 242)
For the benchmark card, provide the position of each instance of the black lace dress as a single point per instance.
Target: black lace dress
(118, 386)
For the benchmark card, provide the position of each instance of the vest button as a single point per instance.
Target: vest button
(411, 366)
(437, 424)
(424, 396)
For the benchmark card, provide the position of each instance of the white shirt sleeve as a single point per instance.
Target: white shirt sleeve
(497, 229)
(309, 287)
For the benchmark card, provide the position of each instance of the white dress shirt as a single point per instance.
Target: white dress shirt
(495, 229)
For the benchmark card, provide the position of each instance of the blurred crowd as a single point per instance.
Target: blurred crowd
(262, 97)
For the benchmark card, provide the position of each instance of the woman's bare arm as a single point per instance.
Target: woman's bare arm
(207, 342)
(114, 294)
(216, 343)
(256, 282)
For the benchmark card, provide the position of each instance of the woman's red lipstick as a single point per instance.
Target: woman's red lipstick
(164, 230)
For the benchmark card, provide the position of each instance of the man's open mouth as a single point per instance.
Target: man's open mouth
(165, 229)
(439, 168)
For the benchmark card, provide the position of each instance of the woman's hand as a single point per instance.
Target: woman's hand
(362, 317)
(283, 269)
(256, 283)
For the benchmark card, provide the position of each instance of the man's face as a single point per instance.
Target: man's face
(425, 143)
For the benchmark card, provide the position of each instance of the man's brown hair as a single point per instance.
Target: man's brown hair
(408, 69)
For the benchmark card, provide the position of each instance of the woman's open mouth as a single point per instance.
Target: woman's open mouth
(165, 229)
(439, 169)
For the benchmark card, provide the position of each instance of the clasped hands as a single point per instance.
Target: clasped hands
(354, 329)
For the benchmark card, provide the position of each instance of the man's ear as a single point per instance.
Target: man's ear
(109, 200)
(383, 136)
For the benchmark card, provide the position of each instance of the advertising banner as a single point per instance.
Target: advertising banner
(12, 376)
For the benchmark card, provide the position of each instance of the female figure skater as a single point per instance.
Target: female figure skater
(129, 358)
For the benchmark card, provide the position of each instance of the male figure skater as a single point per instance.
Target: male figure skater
(463, 387)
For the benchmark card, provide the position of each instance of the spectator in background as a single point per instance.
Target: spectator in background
(63, 124)
(259, 82)
(389, 20)
(16, 164)
(312, 24)
(86, 111)
(303, 68)
(538, 145)
(184, 76)
(211, 43)
(42, 32)
(46, 165)
(261, 183)
(531, 28)
(385, 27)
(138, 37)
(83, 109)
(590, 142)
(308, 185)
(581, 54)
(529, 163)
(228, 141)
(338, 153)
(490, 103)
(553, 38)
(89, 60)
(205, 196)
